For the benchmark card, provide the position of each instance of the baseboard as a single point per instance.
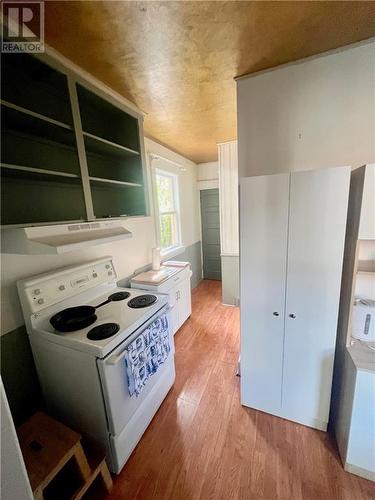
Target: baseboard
(358, 471)
(308, 421)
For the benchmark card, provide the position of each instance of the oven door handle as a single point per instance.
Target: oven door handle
(116, 358)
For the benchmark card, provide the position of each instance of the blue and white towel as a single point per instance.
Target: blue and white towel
(146, 353)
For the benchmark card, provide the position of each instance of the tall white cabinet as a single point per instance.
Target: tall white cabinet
(292, 231)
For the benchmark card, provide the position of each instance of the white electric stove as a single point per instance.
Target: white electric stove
(83, 372)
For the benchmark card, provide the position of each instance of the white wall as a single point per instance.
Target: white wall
(317, 113)
(129, 254)
(228, 182)
(229, 231)
(208, 175)
(362, 429)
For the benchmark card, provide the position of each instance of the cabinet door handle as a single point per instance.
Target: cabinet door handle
(293, 316)
(275, 313)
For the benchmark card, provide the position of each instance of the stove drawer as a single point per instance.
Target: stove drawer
(120, 406)
(124, 443)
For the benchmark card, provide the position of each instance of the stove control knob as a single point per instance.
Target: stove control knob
(107, 266)
(110, 273)
(95, 275)
(62, 287)
(40, 301)
(37, 291)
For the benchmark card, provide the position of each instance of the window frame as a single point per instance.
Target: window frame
(177, 210)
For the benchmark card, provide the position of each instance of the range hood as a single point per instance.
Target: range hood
(61, 238)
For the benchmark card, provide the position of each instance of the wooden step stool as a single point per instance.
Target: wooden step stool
(47, 446)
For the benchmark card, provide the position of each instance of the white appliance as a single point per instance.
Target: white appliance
(292, 230)
(84, 381)
(173, 281)
(61, 238)
(363, 324)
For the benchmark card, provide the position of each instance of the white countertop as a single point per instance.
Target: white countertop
(363, 357)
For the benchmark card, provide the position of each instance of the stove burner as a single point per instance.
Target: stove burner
(119, 296)
(142, 301)
(104, 331)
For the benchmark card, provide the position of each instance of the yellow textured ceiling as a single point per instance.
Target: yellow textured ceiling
(177, 60)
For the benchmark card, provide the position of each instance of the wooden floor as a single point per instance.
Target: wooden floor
(202, 444)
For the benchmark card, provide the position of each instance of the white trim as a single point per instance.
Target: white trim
(228, 193)
(11, 166)
(229, 255)
(226, 142)
(208, 184)
(112, 181)
(172, 252)
(359, 471)
(154, 156)
(28, 112)
(81, 148)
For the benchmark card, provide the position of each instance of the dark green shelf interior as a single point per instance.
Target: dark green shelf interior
(104, 120)
(107, 149)
(31, 142)
(125, 168)
(29, 83)
(111, 200)
(28, 198)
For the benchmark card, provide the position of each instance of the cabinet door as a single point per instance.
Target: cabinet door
(173, 302)
(263, 246)
(318, 208)
(184, 301)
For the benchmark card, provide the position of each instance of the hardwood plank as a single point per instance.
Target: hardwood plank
(202, 444)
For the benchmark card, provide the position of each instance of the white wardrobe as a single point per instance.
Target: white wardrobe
(292, 232)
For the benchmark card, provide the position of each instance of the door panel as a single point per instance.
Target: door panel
(318, 208)
(211, 234)
(184, 301)
(174, 311)
(120, 406)
(263, 248)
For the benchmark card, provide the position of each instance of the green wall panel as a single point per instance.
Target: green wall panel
(19, 375)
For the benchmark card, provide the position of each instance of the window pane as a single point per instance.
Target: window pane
(164, 187)
(168, 230)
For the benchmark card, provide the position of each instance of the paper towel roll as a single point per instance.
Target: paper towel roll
(156, 259)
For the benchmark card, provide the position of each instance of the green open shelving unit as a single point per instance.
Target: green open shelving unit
(67, 154)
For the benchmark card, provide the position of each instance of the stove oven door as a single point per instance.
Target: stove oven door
(121, 408)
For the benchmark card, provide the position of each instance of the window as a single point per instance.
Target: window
(168, 208)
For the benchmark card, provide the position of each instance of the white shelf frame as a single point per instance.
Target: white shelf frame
(112, 181)
(75, 77)
(57, 173)
(28, 112)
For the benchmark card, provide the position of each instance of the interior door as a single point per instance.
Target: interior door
(318, 208)
(263, 246)
(211, 234)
